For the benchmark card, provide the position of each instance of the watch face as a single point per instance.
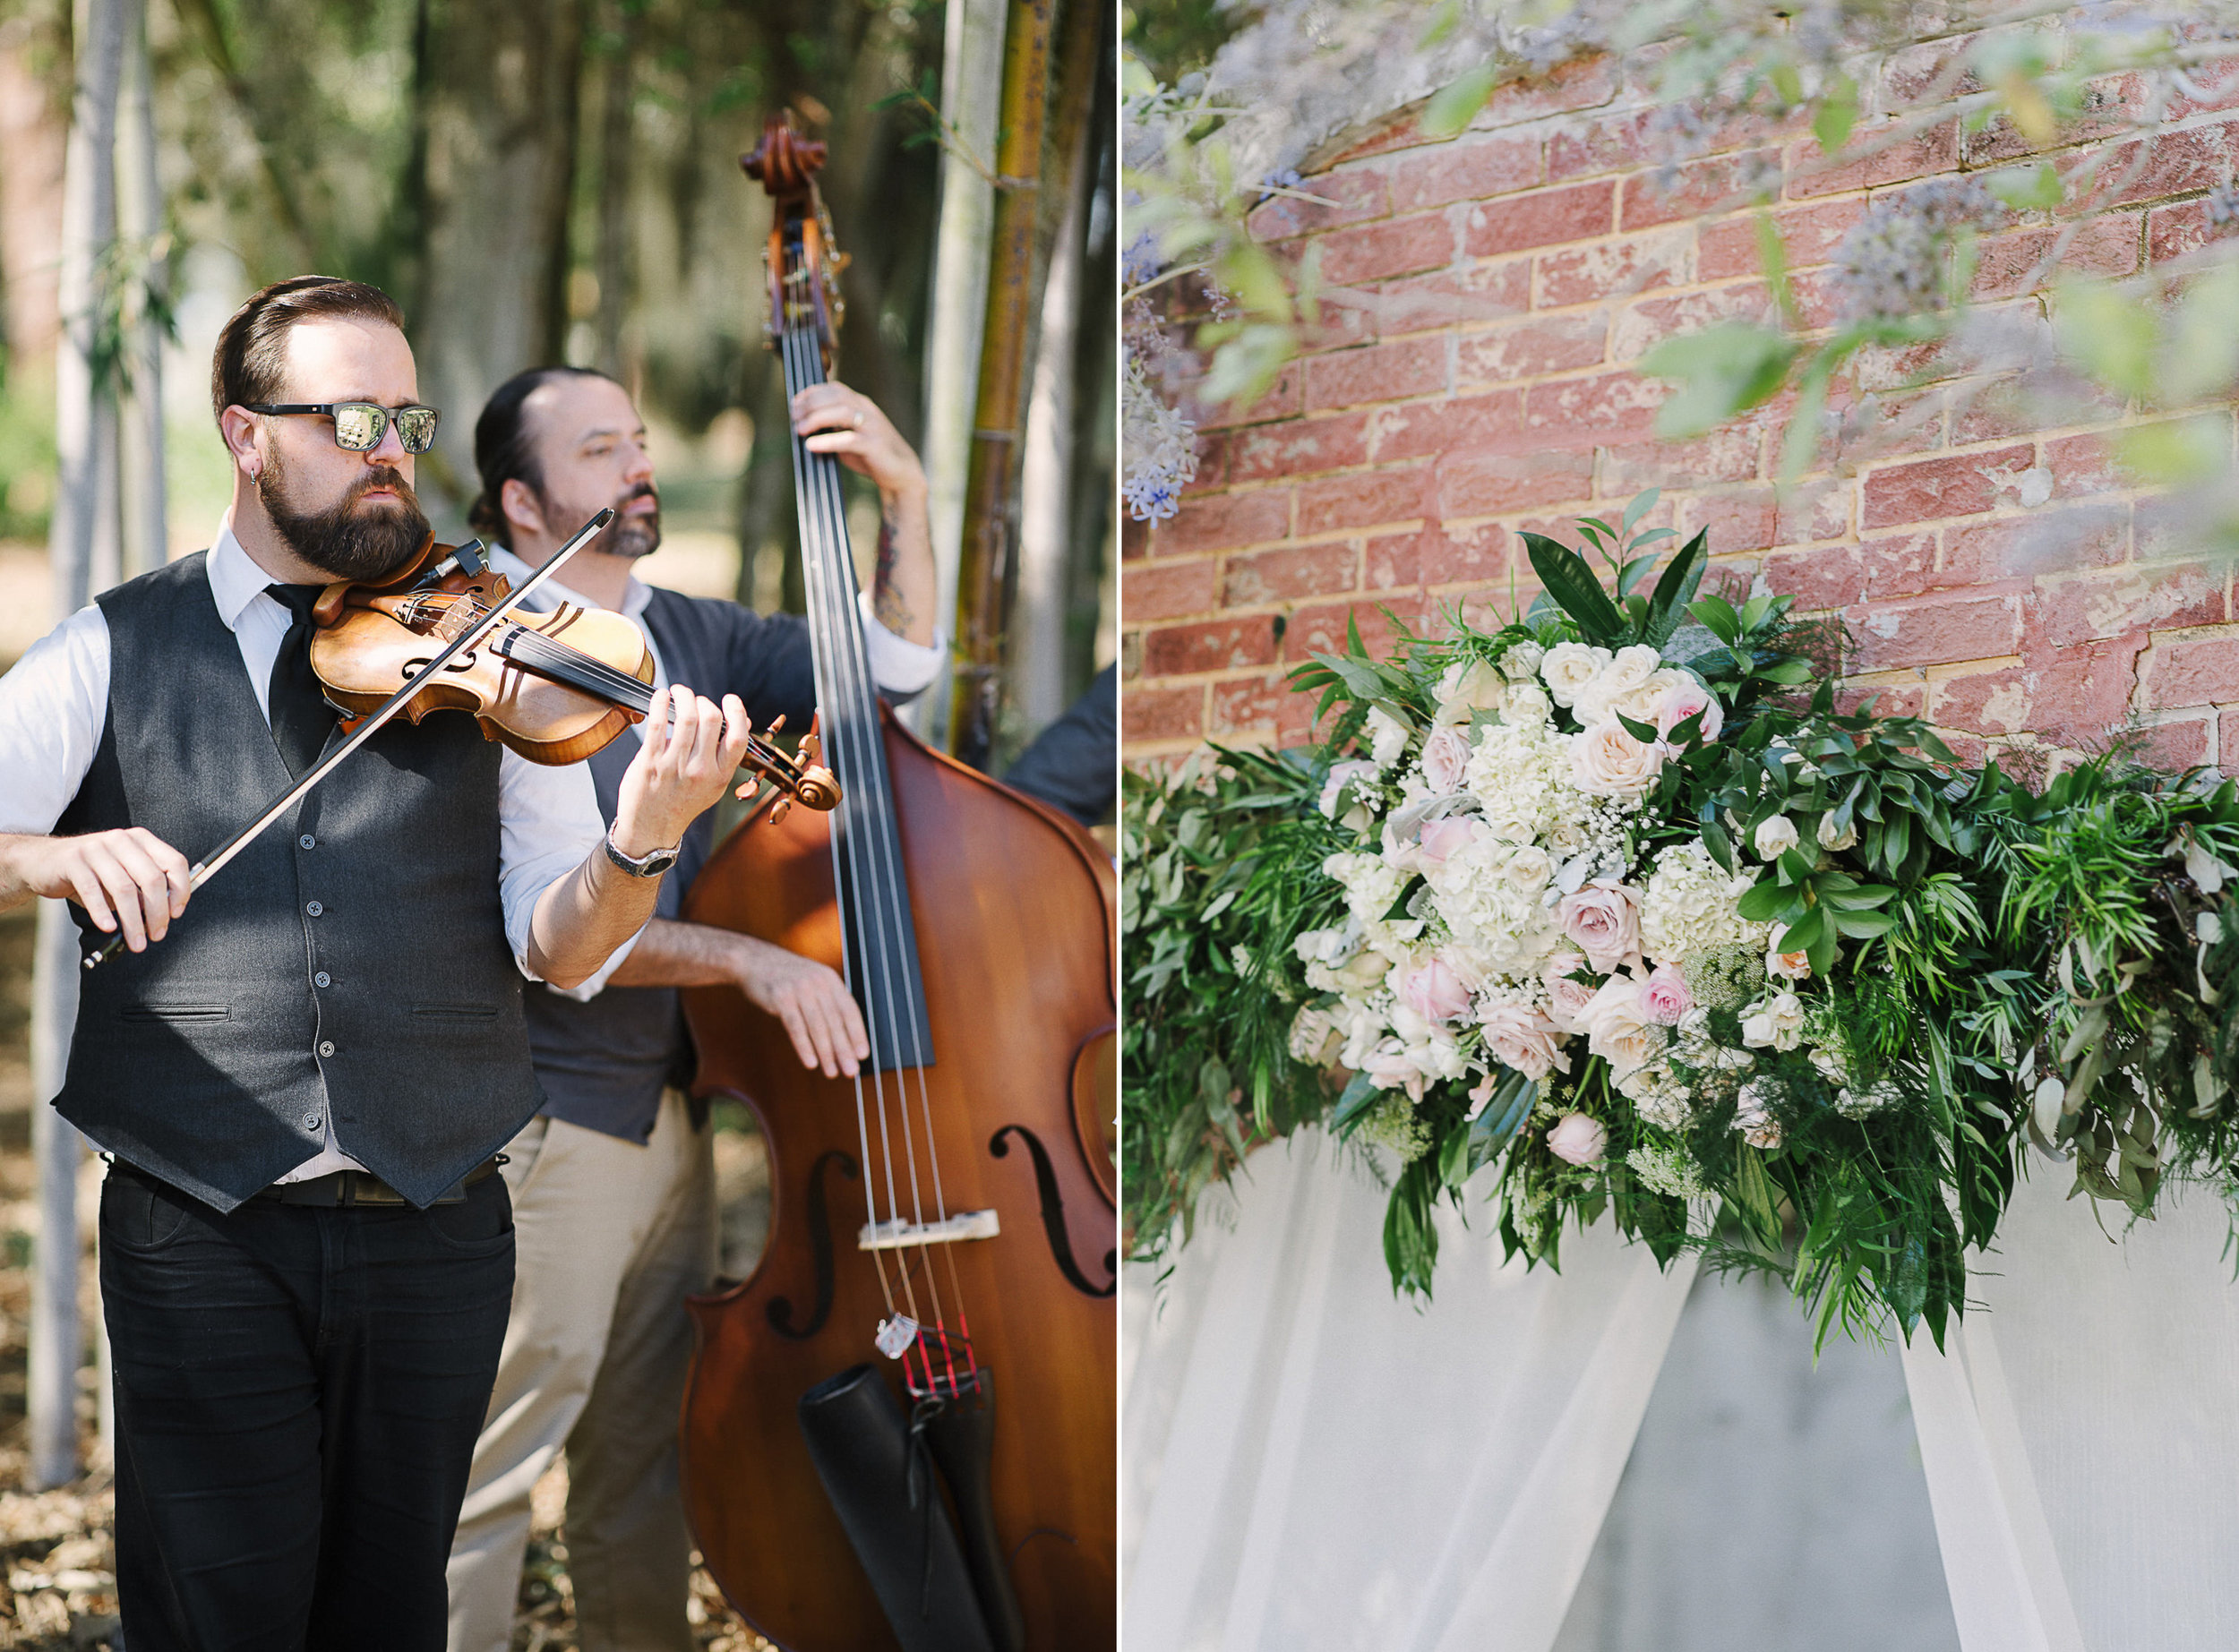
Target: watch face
(657, 863)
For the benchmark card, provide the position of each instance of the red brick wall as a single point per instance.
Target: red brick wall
(1474, 373)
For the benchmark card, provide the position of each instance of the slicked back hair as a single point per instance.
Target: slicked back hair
(505, 447)
(250, 363)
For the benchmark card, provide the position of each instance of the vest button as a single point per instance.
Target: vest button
(306, 842)
(326, 1047)
(314, 909)
(312, 1121)
(322, 980)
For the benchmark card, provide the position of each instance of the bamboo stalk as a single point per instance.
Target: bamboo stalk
(990, 485)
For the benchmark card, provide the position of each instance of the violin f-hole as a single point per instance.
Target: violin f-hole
(1053, 1212)
(780, 1309)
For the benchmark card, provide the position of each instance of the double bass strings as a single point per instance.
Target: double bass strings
(880, 904)
(843, 695)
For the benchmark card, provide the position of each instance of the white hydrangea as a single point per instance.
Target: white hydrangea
(1691, 903)
(1658, 1095)
(1387, 738)
(1521, 775)
(1521, 663)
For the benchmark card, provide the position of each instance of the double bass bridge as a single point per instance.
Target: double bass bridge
(899, 1234)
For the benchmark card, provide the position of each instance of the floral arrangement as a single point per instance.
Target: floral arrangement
(1619, 905)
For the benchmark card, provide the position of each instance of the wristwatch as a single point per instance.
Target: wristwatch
(649, 865)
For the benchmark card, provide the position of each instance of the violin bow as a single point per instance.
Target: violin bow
(205, 870)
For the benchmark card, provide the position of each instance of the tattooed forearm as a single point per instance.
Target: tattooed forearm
(887, 600)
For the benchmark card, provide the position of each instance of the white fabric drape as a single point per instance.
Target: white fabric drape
(1309, 1462)
(2081, 1435)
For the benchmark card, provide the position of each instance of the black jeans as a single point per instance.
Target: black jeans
(298, 1391)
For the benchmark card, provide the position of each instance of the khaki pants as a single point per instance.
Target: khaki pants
(610, 1237)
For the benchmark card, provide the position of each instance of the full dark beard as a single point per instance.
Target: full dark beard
(344, 540)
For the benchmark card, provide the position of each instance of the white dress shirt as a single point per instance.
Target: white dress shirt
(55, 703)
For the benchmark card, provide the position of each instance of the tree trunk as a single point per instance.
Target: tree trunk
(617, 91)
(146, 530)
(88, 230)
(501, 101)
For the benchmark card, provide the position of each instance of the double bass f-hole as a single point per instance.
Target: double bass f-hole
(780, 1309)
(1053, 1212)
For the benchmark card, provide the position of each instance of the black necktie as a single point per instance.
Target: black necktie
(301, 717)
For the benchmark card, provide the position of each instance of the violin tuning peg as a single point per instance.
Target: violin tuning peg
(745, 793)
(777, 725)
(783, 807)
(811, 751)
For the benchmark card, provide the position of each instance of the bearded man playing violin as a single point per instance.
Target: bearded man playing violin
(613, 1185)
(302, 1078)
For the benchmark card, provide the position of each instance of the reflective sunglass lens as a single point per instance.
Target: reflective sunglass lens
(416, 429)
(359, 427)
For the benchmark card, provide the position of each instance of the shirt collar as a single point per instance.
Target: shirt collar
(635, 595)
(234, 579)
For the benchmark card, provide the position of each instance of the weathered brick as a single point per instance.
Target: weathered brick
(2177, 743)
(1735, 521)
(1525, 350)
(1826, 577)
(1888, 700)
(1702, 186)
(2082, 466)
(1372, 252)
(1147, 714)
(2107, 245)
(2217, 79)
(2179, 228)
(1354, 195)
(1322, 631)
(1644, 325)
(1135, 539)
(1730, 453)
(1167, 590)
(1361, 498)
(1809, 235)
(1298, 447)
(1484, 292)
(1612, 270)
(2048, 542)
(1816, 511)
(1437, 555)
(2175, 163)
(1209, 645)
(1467, 424)
(1581, 83)
(1289, 574)
(1216, 521)
(1920, 156)
(2111, 104)
(1953, 486)
(1935, 630)
(1483, 485)
(2193, 670)
(1280, 402)
(2075, 699)
(1248, 705)
(1377, 373)
(1928, 68)
(1609, 143)
(1541, 219)
(1469, 170)
(1579, 412)
(2116, 601)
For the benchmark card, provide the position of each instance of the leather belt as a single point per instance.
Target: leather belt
(344, 1188)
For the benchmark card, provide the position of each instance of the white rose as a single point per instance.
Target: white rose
(1446, 759)
(1617, 1028)
(1469, 686)
(1387, 737)
(1527, 705)
(1529, 868)
(1521, 663)
(1834, 840)
(1788, 965)
(1578, 1139)
(1570, 667)
(1777, 1022)
(1609, 762)
(1775, 837)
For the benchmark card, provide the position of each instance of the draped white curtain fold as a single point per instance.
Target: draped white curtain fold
(1310, 1462)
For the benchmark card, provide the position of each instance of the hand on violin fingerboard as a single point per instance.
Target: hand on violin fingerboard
(689, 748)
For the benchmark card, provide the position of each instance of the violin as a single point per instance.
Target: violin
(553, 687)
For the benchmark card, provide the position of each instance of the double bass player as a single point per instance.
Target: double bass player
(614, 1183)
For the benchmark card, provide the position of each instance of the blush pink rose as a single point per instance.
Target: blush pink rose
(1681, 700)
(1665, 997)
(1525, 1040)
(1446, 758)
(1567, 1002)
(1433, 990)
(1451, 835)
(1603, 920)
(1578, 1139)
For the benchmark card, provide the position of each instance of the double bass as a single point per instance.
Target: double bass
(942, 1247)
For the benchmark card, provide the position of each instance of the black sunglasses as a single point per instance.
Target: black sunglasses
(359, 425)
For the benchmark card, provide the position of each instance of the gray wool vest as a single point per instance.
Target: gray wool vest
(352, 961)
